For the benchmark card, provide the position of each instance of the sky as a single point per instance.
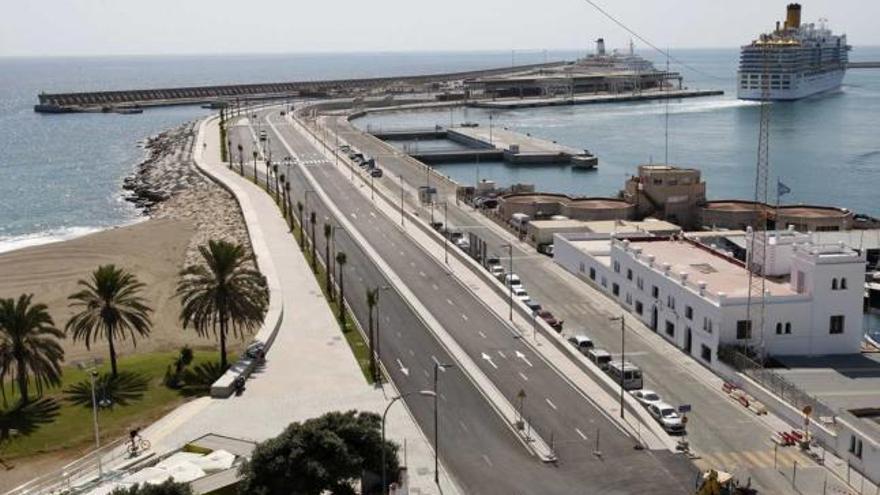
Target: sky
(166, 27)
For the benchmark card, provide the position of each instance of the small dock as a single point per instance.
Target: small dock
(489, 143)
(590, 99)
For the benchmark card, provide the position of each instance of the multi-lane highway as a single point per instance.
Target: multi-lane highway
(716, 427)
(478, 448)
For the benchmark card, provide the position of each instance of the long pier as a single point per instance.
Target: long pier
(863, 65)
(97, 101)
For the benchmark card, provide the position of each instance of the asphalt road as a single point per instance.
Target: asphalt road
(717, 428)
(481, 452)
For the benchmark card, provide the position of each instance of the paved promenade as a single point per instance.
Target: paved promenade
(309, 370)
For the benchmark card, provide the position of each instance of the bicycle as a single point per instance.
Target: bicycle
(138, 445)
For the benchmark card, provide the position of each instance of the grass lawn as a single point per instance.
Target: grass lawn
(72, 428)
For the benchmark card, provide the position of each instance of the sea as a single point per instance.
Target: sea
(61, 175)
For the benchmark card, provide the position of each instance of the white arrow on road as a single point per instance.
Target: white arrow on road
(403, 369)
(523, 357)
(489, 359)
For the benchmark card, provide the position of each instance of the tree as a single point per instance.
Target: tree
(111, 309)
(241, 159)
(328, 231)
(328, 454)
(372, 300)
(275, 171)
(299, 207)
(256, 154)
(287, 203)
(341, 260)
(312, 222)
(223, 293)
(29, 344)
(169, 487)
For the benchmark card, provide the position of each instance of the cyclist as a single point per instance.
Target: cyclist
(134, 435)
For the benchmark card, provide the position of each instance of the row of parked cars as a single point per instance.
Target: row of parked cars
(364, 162)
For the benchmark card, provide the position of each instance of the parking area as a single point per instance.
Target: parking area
(848, 382)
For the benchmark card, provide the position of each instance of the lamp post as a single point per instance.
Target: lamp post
(401, 200)
(93, 375)
(509, 280)
(445, 230)
(424, 393)
(622, 357)
(437, 367)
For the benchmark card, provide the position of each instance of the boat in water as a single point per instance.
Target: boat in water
(792, 62)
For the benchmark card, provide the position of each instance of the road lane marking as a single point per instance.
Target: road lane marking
(353, 215)
(463, 426)
(580, 433)
(523, 357)
(403, 369)
(488, 358)
(449, 301)
(551, 404)
(422, 274)
(502, 354)
(426, 373)
(481, 333)
(411, 353)
(464, 316)
(434, 286)
(486, 458)
(524, 377)
(399, 335)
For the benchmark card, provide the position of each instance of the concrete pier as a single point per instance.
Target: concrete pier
(587, 99)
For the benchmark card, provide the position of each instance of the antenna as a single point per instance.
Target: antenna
(758, 250)
(666, 90)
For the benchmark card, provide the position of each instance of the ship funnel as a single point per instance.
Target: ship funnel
(793, 17)
(600, 46)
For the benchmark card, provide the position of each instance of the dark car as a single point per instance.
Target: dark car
(437, 225)
(376, 172)
(550, 319)
(534, 306)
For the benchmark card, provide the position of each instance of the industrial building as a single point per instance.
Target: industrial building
(542, 231)
(696, 298)
(736, 214)
(545, 205)
(671, 193)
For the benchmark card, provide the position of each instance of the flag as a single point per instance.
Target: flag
(781, 189)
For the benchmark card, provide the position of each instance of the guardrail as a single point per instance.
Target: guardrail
(80, 473)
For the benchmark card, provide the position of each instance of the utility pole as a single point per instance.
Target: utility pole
(437, 367)
(622, 359)
(401, 201)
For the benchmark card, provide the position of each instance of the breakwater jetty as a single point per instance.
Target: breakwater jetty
(126, 100)
(488, 143)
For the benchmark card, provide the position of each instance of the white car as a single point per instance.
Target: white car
(496, 271)
(520, 293)
(646, 397)
(512, 279)
(463, 243)
(667, 416)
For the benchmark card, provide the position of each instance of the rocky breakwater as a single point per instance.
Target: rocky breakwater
(167, 184)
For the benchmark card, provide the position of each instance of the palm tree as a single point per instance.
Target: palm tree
(223, 293)
(28, 338)
(341, 260)
(268, 167)
(255, 165)
(328, 231)
(241, 159)
(312, 221)
(372, 299)
(287, 204)
(299, 207)
(275, 171)
(111, 308)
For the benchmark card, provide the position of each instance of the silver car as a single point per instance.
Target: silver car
(646, 397)
(667, 416)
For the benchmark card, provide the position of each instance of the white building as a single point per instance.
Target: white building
(696, 298)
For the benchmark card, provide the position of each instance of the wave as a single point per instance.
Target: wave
(12, 243)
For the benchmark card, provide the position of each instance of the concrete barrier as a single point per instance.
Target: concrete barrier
(224, 386)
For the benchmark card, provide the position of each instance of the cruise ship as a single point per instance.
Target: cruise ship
(796, 60)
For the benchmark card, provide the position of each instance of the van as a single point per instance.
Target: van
(627, 373)
(599, 357)
(581, 342)
(512, 279)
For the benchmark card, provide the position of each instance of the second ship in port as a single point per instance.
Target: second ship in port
(794, 61)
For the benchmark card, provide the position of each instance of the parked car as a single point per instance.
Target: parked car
(581, 342)
(376, 172)
(512, 279)
(533, 305)
(667, 416)
(463, 243)
(550, 319)
(493, 260)
(646, 397)
(546, 249)
(437, 226)
(599, 357)
(496, 271)
(455, 235)
(520, 293)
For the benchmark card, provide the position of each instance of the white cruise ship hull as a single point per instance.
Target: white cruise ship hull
(800, 87)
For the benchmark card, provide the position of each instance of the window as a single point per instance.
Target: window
(670, 302)
(843, 284)
(689, 312)
(639, 308)
(788, 328)
(629, 298)
(779, 329)
(705, 353)
(744, 329)
(615, 289)
(592, 273)
(629, 274)
(707, 325)
(800, 282)
(670, 328)
(582, 267)
(655, 292)
(836, 324)
(616, 265)
(834, 284)
(855, 446)
(640, 283)
(604, 282)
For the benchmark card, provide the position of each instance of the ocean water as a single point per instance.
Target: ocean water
(61, 175)
(825, 148)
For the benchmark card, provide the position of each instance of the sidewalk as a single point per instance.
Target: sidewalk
(309, 369)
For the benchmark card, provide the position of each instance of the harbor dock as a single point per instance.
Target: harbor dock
(588, 99)
(490, 143)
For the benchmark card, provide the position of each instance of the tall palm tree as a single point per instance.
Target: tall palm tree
(283, 192)
(111, 308)
(372, 300)
(328, 231)
(341, 260)
(224, 293)
(268, 175)
(299, 207)
(313, 221)
(241, 159)
(29, 341)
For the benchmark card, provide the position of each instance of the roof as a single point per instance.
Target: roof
(721, 274)
(856, 239)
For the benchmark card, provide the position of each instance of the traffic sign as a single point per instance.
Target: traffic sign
(684, 408)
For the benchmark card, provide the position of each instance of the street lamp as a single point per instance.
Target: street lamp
(509, 280)
(622, 357)
(401, 200)
(437, 367)
(424, 393)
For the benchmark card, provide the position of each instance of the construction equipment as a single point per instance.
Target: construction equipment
(720, 483)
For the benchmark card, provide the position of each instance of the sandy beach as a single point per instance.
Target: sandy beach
(185, 209)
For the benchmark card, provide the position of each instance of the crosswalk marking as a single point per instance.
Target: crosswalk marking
(786, 457)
